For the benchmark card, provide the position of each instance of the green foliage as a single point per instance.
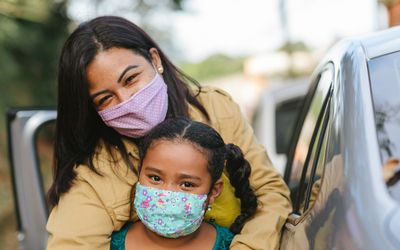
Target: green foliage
(294, 46)
(29, 51)
(212, 67)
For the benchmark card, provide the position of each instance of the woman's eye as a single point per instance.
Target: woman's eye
(130, 79)
(103, 100)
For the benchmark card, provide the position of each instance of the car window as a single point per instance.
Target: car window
(306, 127)
(286, 114)
(385, 87)
(44, 142)
(314, 163)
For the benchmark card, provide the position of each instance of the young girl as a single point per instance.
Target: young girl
(179, 179)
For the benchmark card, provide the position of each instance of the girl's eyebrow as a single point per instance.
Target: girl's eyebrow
(181, 176)
(154, 170)
(186, 176)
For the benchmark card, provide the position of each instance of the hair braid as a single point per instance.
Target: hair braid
(239, 171)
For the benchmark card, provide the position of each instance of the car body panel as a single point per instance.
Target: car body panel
(353, 209)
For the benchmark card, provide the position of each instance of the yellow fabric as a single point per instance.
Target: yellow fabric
(227, 199)
(95, 206)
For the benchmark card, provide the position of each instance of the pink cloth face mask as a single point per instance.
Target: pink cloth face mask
(141, 112)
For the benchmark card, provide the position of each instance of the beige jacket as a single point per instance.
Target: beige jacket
(95, 206)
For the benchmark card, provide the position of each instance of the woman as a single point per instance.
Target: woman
(173, 193)
(114, 85)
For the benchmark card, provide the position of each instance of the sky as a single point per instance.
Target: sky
(244, 27)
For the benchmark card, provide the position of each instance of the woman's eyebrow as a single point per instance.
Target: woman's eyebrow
(98, 93)
(126, 70)
(119, 80)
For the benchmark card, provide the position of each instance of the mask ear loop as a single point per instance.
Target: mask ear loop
(132, 195)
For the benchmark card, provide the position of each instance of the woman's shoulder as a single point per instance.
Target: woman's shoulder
(218, 103)
(211, 93)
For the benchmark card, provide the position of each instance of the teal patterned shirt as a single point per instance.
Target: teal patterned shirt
(222, 242)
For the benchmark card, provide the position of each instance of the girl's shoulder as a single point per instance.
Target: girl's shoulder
(224, 237)
(118, 238)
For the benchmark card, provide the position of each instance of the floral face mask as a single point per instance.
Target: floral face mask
(168, 213)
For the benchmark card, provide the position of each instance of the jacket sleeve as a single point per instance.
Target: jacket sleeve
(263, 231)
(89, 212)
(79, 221)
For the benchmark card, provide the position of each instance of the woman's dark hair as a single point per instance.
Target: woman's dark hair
(219, 155)
(79, 128)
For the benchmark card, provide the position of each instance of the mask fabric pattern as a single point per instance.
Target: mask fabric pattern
(168, 213)
(141, 112)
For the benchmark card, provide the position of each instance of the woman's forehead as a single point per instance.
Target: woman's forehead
(108, 65)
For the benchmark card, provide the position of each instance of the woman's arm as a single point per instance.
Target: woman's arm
(263, 231)
(91, 210)
(79, 221)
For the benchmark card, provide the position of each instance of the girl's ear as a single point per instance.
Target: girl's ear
(216, 191)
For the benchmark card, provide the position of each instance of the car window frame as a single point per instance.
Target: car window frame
(299, 126)
(321, 140)
(320, 127)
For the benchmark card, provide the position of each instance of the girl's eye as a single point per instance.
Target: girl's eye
(155, 178)
(187, 184)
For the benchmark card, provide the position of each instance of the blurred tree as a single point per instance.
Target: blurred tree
(294, 47)
(31, 35)
(214, 66)
(151, 15)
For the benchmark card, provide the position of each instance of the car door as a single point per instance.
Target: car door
(30, 138)
(306, 164)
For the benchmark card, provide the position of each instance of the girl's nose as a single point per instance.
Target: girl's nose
(171, 187)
